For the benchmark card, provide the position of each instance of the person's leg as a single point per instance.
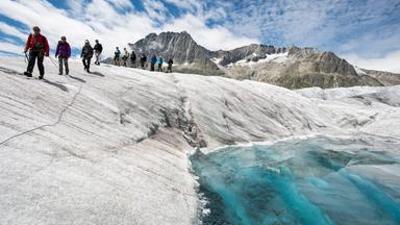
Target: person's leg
(60, 65)
(40, 60)
(66, 66)
(97, 58)
(31, 63)
(84, 63)
(88, 64)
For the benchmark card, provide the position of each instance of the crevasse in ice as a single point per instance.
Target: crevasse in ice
(312, 182)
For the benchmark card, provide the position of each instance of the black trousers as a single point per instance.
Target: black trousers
(86, 63)
(32, 59)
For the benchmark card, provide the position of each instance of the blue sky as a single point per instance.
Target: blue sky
(366, 32)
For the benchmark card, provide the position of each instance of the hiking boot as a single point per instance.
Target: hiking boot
(41, 77)
(60, 74)
(27, 74)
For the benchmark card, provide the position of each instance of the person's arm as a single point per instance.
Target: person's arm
(46, 47)
(82, 52)
(27, 43)
(57, 50)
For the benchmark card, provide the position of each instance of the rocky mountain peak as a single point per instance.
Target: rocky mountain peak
(292, 67)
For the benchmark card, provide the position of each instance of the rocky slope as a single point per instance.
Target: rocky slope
(385, 78)
(111, 147)
(187, 54)
(290, 67)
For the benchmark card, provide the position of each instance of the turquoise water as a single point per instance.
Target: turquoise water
(312, 182)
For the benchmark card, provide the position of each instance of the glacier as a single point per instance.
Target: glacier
(113, 146)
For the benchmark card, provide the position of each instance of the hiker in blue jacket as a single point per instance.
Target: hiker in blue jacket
(160, 62)
(117, 55)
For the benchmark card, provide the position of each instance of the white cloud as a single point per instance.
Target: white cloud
(121, 4)
(215, 38)
(12, 31)
(389, 63)
(303, 22)
(101, 19)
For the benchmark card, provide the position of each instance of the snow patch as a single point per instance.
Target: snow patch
(359, 71)
(278, 58)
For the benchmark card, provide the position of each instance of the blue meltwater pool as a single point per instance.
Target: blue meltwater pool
(315, 181)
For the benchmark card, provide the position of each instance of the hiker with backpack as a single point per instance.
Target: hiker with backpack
(38, 48)
(63, 52)
(143, 60)
(98, 49)
(170, 63)
(133, 58)
(160, 62)
(117, 55)
(86, 55)
(125, 57)
(153, 62)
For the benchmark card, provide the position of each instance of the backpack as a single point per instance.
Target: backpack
(38, 45)
(117, 53)
(98, 48)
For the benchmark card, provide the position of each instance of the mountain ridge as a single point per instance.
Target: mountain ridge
(291, 67)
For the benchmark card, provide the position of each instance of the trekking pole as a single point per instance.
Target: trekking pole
(52, 61)
(26, 58)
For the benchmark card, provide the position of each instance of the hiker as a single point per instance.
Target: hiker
(153, 62)
(63, 52)
(170, 62)
(117, 55)
(160, 62)
(86, 55)
(38, 48)
(125, 57)
(133, 58)
(143, 60)
(98, 49)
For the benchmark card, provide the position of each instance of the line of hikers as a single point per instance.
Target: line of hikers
(38, 48)
(154, 61)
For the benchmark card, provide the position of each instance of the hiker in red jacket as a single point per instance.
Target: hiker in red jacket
(38, 48)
